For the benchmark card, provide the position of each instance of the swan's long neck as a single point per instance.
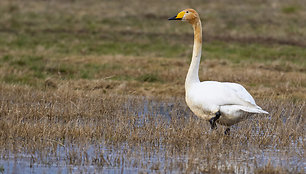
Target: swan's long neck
(193, 71)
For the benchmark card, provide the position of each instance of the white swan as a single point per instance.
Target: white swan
(218, 102)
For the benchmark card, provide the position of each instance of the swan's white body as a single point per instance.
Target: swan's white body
(231, 99)
(206, 98)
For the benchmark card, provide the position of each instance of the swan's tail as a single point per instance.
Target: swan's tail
(236, 110)
(256, 110)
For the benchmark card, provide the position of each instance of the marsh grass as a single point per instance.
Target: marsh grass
(147, 134)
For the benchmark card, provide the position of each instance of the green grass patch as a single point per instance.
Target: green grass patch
(122, 77)
(290, 9)
(151, 77)
(238, 53)
(29, 69)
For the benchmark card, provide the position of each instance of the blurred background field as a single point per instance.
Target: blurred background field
(132, 43)
(124, 48)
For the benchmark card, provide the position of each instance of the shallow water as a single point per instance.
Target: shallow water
(101, 157)
(156, 160)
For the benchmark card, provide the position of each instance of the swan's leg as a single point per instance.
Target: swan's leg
(213, 120)
(227, 131)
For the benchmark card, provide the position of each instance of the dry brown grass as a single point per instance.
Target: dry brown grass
(279, 81)
(87, 127)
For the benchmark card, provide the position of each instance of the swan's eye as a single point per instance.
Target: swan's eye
(187, 11)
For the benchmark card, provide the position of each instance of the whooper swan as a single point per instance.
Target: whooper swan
(217, 102)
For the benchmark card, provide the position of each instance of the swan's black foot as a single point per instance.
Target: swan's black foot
(227, 131)
(212, 123)
(213, 120)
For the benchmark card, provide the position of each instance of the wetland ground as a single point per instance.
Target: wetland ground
(98, 86)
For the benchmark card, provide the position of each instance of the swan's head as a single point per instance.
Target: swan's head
(189, 15)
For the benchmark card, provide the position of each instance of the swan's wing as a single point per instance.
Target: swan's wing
(244, 95)
(210, 95)
(241, 92)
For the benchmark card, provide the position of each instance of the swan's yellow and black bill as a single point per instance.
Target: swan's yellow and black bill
(178, 16)
(174, 18)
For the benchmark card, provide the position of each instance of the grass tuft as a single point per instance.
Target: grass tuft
(149, 78)
(290, 9)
